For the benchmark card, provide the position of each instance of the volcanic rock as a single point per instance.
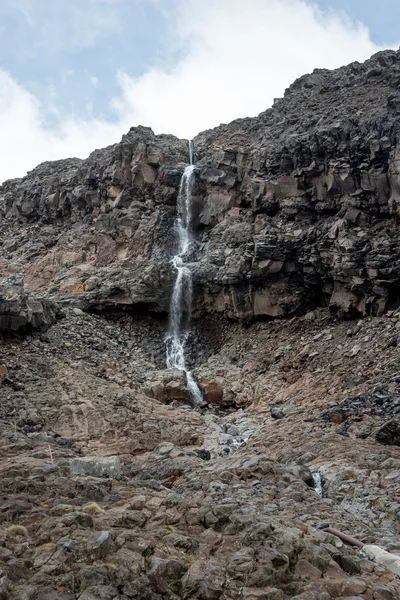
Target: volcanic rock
(112, 485)
(389, 433)
(293, 209)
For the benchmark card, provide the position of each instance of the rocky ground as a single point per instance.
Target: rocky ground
(112, 486)
(215, 502)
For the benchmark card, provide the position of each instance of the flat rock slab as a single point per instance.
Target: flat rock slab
(97, 466)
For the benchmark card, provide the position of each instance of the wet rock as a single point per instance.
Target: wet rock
(96, 466)
(203, 454)
(232, 430)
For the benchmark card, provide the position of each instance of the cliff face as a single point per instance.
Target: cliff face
(295, 208)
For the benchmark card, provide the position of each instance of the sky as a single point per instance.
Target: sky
(77, 74)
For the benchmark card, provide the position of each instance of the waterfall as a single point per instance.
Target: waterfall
(191, 152)
(317, 483)
(181, 301)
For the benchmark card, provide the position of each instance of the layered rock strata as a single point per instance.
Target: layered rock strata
(295, 208)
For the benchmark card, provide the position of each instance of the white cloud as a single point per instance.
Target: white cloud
(240, 55)
(66, 74)
(25, 140)
(237, 57)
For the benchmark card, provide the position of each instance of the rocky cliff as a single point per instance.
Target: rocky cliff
(296, 208)
(112, 487)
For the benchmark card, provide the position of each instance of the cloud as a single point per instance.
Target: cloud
(26, 141)
(234, 58)
(239, 56)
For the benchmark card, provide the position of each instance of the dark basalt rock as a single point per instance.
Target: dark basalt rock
(382, 401)
(390, 433)
(294, 209)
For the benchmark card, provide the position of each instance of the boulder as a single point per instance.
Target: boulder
(384, 558)
(282, 410)
(175, 390)
(204, 579)
(213, 392)
(389, 433)
(166, 386)
(99, 592)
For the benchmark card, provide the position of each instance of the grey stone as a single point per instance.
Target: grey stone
(281, 411)
(96, 466)
(21, 311)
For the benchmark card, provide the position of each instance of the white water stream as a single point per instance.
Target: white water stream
(317, 483)
(181, 301)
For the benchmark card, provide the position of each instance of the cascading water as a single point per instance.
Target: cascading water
(191, 152)
(181, 301)
(317, 483)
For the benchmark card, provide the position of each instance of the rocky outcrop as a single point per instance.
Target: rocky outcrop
(294, 209)
(19, 310)
(312, 188)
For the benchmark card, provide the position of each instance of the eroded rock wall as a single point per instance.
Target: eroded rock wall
(294, 209)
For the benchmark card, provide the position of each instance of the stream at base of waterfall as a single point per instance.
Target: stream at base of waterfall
(181, 301)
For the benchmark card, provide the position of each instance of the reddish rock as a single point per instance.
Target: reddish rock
(175, 390)
(3, 373)
(213, 392)
(306, 570)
